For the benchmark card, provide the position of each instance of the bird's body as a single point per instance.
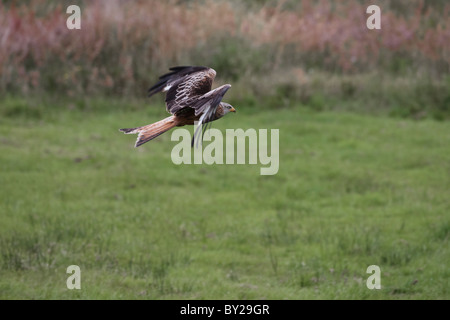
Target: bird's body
(189, 99)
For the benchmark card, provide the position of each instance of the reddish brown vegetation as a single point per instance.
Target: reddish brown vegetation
(122, 44)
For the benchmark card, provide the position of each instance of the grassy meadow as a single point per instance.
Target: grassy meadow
(364, 151)
(352, 191)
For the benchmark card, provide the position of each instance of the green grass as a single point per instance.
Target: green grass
(352, 191)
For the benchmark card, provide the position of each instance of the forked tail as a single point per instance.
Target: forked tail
(151, 131)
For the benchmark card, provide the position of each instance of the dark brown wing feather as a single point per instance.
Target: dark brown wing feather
(171, 77)
(184, 86)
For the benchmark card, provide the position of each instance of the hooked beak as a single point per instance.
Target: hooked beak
(232, 109)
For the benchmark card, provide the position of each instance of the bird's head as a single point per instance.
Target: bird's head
(226, 107)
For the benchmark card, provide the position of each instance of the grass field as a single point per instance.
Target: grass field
(352, 191)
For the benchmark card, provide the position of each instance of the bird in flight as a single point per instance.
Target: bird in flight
(189, 99)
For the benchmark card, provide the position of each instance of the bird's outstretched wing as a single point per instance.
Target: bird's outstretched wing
(184, 86)
(206, 105)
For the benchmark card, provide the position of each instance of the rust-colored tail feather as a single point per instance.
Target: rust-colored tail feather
(151, 131)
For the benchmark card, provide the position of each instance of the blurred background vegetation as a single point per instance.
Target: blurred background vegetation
(364, 151)
(319, 54)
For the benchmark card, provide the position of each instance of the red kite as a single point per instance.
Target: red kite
(189, 99)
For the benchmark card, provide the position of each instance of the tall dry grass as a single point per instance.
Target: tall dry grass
(124, 45)
(119, 44)
(337, 33)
